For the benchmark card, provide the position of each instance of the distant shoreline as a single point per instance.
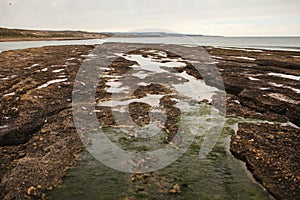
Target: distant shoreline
(42, 39)
(11, 35)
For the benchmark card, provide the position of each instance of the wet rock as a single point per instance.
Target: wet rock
(105, 116)
(278, 63)
(139, 113)
(191, 70)
(175, 189)
(38, 140)
(153, 88)
(271, 152)
(171, 125)
(121, 65)
(263, 103)
(234, 85)
(20, 133)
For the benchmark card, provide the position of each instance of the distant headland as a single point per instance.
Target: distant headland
(35, 35)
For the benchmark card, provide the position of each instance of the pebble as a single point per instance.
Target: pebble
(43, 131)
(271, 137)
(251, 141)
(31, 190)
(49, 188)
(175, 189)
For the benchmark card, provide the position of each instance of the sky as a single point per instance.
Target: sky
(208, 17)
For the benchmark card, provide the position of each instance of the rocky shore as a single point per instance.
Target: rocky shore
(38, 139)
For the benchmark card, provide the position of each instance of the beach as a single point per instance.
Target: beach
(39, 142)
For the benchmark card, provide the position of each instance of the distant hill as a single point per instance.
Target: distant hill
(25, 35)
(149, 34)
(21, 34)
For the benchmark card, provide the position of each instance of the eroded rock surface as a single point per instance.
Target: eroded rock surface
(38, 139)
(271, 152)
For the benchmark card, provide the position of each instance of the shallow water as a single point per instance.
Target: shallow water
(287, 76)
(217, 176)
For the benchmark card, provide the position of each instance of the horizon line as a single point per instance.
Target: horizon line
(118, 32)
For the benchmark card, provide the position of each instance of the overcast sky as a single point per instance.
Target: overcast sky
(209, 17)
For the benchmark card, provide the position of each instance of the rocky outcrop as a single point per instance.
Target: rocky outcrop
(271, 152)
(263, 87)
(38, 140)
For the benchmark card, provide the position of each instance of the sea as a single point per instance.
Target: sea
(271, 43)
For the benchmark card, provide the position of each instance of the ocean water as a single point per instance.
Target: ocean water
(278, 43)
(274, 43)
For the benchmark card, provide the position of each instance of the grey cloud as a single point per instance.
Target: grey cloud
(123, 15)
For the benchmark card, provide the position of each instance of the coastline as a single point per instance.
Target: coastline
(12, 35)
(48, 136)
(235, 43)
(45, 39)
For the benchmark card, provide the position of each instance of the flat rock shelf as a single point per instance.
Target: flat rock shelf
(39, 143)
